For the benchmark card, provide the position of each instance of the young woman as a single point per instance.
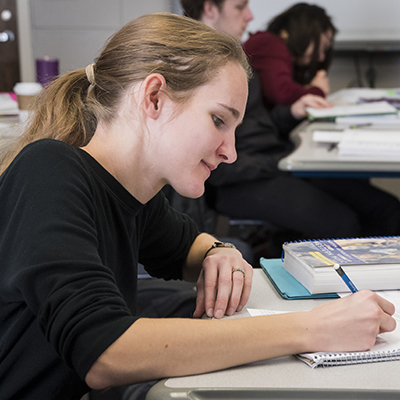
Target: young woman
(292, 55)
(81, 205)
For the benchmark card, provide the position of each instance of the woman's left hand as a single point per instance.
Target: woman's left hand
(224, 283)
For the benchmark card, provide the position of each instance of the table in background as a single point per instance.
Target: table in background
(285, 377)
(312, 159)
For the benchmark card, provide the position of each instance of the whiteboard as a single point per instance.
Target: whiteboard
(355, 19)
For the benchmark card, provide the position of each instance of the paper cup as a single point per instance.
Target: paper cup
(26, 92)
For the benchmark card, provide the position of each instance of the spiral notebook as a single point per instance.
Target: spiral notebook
(386, 348)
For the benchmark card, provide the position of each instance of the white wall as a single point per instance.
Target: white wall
(74, 31)
(355, 19)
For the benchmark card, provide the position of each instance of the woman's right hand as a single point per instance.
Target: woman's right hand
(351, 323)
(321, 81)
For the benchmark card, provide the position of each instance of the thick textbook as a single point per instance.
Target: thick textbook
(371, 263)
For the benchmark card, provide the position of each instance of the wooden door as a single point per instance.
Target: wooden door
(9, 57)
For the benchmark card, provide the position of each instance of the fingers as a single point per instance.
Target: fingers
(246, 289)
(210, 276)
(298, 108)
(239, 294)
(319, 102)
(381, 311)
(388, 323)
(200, 299)
(221, 289)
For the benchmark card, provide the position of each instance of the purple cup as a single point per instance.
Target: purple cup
(46, 70)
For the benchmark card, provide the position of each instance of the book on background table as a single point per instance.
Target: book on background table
(377, 143)
(386, 119)
(371, 263)
(378, 108)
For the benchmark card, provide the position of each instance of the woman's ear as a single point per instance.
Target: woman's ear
(154, 86)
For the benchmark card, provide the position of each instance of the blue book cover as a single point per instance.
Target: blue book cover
(285, 284)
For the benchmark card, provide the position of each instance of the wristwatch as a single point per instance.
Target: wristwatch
(219, 244)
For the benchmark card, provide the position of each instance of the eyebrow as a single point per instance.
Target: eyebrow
(233, 111)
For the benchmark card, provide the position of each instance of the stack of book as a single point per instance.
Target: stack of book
(372, 143)
(371, 263)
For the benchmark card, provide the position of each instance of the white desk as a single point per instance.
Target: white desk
(319, 159)
(285, 377)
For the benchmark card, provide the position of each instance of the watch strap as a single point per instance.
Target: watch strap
(219, 244)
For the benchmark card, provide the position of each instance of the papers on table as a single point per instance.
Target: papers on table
(378, 108)
(8, 104)
(358, 95)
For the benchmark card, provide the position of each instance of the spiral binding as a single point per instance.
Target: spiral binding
(337, 359)
(344, 238)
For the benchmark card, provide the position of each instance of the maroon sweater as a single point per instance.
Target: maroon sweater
(273, 63)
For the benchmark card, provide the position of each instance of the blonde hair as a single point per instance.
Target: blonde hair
(186, 52)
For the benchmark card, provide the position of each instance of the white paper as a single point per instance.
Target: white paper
(380, 107)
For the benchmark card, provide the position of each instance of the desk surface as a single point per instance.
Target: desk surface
(285, 377)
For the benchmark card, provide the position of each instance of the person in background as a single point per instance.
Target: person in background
(292, 56)
(81, 205)
(254, 188)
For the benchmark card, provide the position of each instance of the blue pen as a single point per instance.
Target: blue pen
(345, 278)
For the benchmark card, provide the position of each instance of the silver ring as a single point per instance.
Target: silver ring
(240, 270)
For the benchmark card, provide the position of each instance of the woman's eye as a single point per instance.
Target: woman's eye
(217, 121)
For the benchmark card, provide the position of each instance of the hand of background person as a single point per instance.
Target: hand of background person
(220, 289)
(298, 108)
(321, 81)
(351, 323)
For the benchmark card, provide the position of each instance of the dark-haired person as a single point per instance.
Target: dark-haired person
(292, 56)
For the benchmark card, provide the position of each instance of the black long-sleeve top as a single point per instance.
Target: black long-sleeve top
(70, 240)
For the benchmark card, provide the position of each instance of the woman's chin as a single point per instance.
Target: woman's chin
(193, 192)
